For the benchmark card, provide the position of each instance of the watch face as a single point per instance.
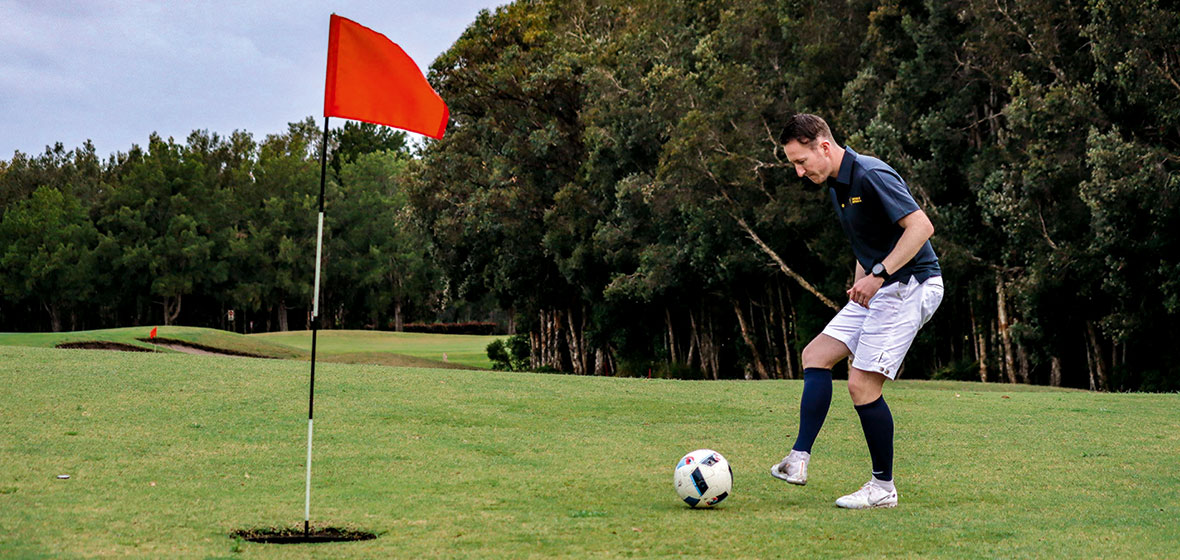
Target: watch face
(878, 269)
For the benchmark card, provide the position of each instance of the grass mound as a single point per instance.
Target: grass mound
(439, 350)
(128, 338)
(192, 347)
(101, 345)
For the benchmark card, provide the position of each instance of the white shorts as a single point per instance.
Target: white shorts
(879, 336)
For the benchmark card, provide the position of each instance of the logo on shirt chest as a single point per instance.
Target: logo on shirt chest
(854, 200)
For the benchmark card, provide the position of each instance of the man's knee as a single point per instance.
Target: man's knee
(864, 387)
(823, 353)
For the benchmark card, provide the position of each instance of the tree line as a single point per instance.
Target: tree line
(611, 180)
(612, 173)
(187, 232)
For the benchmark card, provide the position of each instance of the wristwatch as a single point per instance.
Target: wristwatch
(879, 271)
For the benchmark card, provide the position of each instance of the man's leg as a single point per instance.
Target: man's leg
(818, 358)
(877, 422)
(875, 419)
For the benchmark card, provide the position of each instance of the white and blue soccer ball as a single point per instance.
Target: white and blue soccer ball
(703, 478)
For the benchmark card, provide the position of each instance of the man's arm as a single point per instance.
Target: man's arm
(917, 229)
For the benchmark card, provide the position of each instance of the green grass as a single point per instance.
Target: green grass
(169, 453)
(379, 347)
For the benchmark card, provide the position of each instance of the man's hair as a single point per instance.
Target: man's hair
(805, 128)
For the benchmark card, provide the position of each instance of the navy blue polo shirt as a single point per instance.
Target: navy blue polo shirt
(869, 198)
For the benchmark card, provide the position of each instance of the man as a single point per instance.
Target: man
(897, 287)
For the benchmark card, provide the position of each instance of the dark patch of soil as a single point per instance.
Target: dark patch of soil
(102, 345)
(200, 347)
(296, 536)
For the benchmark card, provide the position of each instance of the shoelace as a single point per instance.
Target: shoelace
(867, 490)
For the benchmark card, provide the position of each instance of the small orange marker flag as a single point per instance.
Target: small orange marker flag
(371, 79)
(153, 333)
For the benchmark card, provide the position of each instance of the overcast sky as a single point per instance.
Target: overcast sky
(115, 71)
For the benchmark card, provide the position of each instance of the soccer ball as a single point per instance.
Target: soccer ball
(703, 478)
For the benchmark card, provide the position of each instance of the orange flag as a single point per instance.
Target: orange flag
(372, 79)
(153, 333)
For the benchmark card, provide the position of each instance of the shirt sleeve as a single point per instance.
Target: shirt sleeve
(894, 194)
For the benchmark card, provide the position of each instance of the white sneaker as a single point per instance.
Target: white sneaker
(793, 468)
(869, 496)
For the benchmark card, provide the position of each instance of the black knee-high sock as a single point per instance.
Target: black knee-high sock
(813, 406)
(877, 423)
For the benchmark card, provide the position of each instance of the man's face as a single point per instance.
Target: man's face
(812, 160)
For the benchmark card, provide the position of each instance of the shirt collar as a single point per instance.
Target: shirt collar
(845, 175)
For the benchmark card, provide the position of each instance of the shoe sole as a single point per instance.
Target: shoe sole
(878, 506)
(778, 474)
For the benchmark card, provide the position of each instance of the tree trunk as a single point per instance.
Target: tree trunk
(783, 266)
(674, 357)
(1022, 360)
(171, 308)
(551, 339)
(1090, 362)
(398, 321)
(755, 355)
(284, 324)
(542, 345)
(1099, 363)
(714, 351)
(54, 316)
(1005, 337)
(979, 341)
(576, 343)
(555, 360)
(774, 357)
(703, 332)
(1054, 371)
(698, 342)
(788, 321)
(535, 342)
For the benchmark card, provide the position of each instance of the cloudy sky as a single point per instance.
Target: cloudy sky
(114, 71)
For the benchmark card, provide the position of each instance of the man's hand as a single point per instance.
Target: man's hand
(864, 289)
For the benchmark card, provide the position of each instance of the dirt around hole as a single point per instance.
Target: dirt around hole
(296, 536)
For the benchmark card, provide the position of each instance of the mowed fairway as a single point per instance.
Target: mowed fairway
(384, 347)
(169, 453)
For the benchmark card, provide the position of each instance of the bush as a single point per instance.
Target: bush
(511, 354)
(481, 328)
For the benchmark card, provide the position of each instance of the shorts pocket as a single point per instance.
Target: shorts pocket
(931, 299)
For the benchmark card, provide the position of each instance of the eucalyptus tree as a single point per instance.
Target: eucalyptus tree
(514, 141)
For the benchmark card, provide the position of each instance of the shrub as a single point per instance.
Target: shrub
(472, 327)
(511, 354)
